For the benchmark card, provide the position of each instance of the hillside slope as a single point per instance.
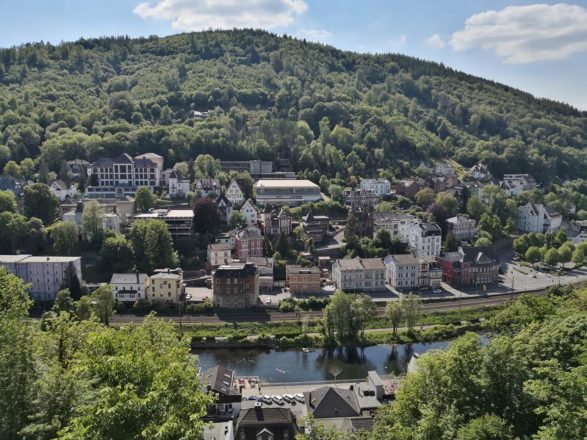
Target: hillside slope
(270, 97)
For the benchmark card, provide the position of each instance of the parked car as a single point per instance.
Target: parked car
(288, 397)
(278, 400)
(299, 397)
(266, 398)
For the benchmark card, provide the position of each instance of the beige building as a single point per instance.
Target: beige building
(219, 254)
(129, 287)
(166, 285)
(359, 274)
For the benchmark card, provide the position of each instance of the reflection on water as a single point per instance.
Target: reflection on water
(297, 366)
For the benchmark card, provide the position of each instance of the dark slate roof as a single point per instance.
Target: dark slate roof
(145, 163)
(219, 379)
(330, 402)
(362, 424)
(123, 158)
(222, 198)
(264, 416)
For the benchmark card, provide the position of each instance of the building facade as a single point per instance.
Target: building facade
(359, 274)
(235, 194)
(47, 275)
(129, 287)
(398, 225)
(286, 192)
(249, 212)
(403, 271)
(62, 190)
(203, 187)
(316, 226)
(110, 222)
(303, 280)
(166, 285)
(468, 267)
(425, 239)
(249, 243)
(112, 178)
(177, 187)
(179, 221)
(381, 187)
(219, 254)
(535, 217)
(276, 221)
(462, 227)
(224, 207)
(236, 286)
(360, 198)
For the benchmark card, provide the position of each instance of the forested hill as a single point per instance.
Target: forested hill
(327, 110)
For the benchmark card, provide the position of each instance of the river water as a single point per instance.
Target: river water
(297, 366)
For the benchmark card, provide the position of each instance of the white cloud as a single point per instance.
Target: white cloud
(400, 41)
(525, 34)
(314, 34)
(436, 40)
(192, 15)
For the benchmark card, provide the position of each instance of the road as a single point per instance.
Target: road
(264, 315)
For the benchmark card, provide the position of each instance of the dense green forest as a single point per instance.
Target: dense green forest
(327, 111)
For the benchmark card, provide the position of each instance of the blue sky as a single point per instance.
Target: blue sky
(540, 47)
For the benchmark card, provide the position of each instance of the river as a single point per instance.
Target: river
(297, 366)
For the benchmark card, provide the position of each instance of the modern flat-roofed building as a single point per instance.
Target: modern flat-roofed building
(47, 275)
(179, 221)
(286, 192)
(305, 280)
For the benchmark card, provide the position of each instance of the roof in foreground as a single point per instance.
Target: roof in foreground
(284, 183)
(51, 259)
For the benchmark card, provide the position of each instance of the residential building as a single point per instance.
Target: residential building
(249, 212)
(222, 382)
(8, 183)
(203, 187)
(47, 275)
(468, 267)
(480, 171)
(276, 221)
(444, 169)
(114, 178)
(363, 220)
(224, 207)
(443, 183)
(166, 285)
(177, 187)
(330, 402)
(359, 274)
(403, 271)
(303, 280)
(430, 273)
(78, 168)
(265, 267)
(515, 184)
(179, 221)
(316, 226)
(286, 192)
(360, 198)
(110, 222)
(219, 431)
(219, 254)
(124, 208)
(398, 225)
(535, 217)
(155, 158)
(462, 227)
(259, 422)
(236, 286)
(425, 239)
(248, 242)
(62, 190)
(235, 194)
(381, 187)
(409, 188)
(129, 287)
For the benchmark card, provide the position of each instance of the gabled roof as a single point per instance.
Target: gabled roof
(220, 379)
(329, 402)
(222, 198)
(264, 416)
(123, 158)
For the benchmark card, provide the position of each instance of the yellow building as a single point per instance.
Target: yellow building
(166, 285)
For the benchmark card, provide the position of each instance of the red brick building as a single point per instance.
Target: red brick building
(468, 267)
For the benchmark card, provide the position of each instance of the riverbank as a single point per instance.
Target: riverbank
(308, 334)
